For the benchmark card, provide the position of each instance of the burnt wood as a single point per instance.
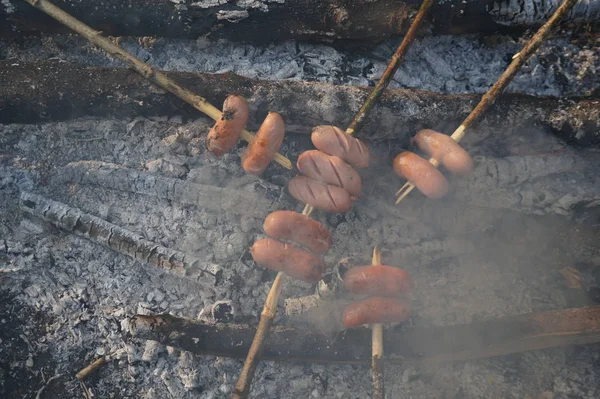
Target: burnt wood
(55, 90)
(577, 326)
(265, 21)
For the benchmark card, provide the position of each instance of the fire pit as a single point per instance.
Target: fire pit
(124, 240)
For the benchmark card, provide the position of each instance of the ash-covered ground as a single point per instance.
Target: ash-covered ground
(65, 300)
(445, 64)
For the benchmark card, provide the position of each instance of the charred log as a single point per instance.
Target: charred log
(499, 337)
(53, 91)
(73, 220)
(116, 177)
(298, 19)
(561, 183)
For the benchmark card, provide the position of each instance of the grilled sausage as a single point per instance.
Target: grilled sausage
(329, 169)
(387, 281)
(421, 173)
(375, 310)
(265, 145)
(333, 141)
(283, 257)
(226, 131)
(444, 149)
(319, 195)
(296, 227)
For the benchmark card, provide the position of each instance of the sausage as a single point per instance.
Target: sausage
(387, 281)
(265, 145)
(333, 141)
(226, 131)
(319, 195)
(284, 257)
(444, 149)
(375, 310)
(421, 173)
(296, 227)
(329, 169)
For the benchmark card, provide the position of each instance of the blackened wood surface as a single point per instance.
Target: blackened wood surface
(266, 21)
(435, 344)
(54, 90)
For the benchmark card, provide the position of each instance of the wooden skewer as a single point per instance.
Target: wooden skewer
(504, 80)
(377, 346)
(242, 387)
(156, 77)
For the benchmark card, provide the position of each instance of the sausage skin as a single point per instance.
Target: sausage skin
(387, 281)
(375, 310)
(329, 169)
(421, 173)
(296, 227)
(226, 131)
(266, 143)
(333, 141)
(319, 195)
(283, 257)
(444, 149)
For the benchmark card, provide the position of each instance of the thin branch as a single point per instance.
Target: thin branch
(242, 387)
(156, 77)
(503, 81)
(385, 79)
(377, 346)
(390, 70)
(41, 390)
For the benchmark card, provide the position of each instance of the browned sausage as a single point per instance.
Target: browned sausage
(330, 169)
(283, 257)
(266, 143)
(378, 280)
(375, 310)
(296, 227)
(333, 141)
(444, 149)
(421, 173)
(226, 131)
(319, 195)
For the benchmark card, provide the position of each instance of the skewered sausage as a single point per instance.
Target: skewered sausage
(265, 145)
(293, 226)
(296, 262)
(387, 281)
(421, 173)
(375, 310)
(226, 131)
(447, 151)
(329, 169)
(319, 195)
(333, 141)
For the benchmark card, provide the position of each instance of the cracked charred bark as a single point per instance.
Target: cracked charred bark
(116, 177)
(31, 95)
(426, 345)
(562, 183)
(299, 19)
(116, 238)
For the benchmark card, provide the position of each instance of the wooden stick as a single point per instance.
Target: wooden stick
(95, 365)
(419, 345)
(503, 81)
(242, 387)
(386, 77)
(377, 346)
(390, 70)
(156, 77)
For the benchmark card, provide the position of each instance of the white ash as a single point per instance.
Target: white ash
(445, 64)
(502, 263)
